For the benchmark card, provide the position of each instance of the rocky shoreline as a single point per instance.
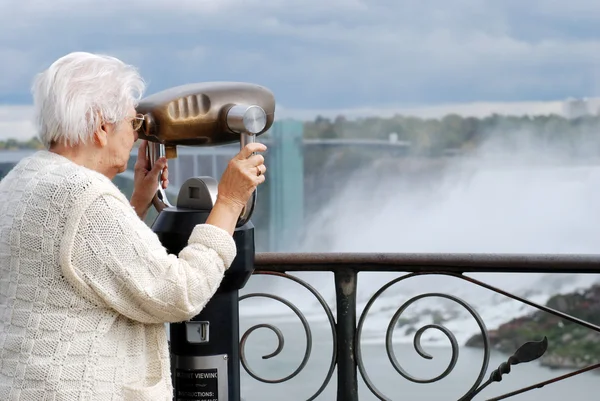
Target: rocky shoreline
(570, 345)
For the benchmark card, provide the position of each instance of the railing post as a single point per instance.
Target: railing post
(345, 289)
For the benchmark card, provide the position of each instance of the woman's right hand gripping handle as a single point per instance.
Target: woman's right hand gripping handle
(244, 173)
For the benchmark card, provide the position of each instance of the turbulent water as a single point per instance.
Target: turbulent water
(385, 378)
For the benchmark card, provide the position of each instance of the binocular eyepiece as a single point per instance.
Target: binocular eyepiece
(204, 114)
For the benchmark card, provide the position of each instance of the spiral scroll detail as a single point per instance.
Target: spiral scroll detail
(281, 339)
(417, 339)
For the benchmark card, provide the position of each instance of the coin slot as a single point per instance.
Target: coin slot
(197, 332)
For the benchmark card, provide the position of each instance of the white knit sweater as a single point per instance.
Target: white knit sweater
(86, 287)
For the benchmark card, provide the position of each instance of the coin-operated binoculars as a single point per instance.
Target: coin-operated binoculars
(205, 350)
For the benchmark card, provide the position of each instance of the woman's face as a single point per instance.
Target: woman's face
(120, 142)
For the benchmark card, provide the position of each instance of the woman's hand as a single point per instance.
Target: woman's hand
(243, 174)
(145, 181)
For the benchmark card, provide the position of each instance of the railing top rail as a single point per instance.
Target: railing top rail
(430, 262)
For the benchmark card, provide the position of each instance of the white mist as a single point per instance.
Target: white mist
(520, 196)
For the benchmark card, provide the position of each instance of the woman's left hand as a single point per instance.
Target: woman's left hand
(145, 181)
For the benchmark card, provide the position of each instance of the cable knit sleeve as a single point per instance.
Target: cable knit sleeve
(112, 257)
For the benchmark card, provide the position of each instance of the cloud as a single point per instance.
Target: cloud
(314, 54)
(478, 110)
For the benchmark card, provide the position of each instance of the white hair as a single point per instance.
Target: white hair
(79, 92)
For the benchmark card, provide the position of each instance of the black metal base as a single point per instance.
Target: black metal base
(205, 358)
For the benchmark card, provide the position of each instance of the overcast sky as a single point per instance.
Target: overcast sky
(322, 54)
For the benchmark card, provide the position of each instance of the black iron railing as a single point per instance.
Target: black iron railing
(346, 325)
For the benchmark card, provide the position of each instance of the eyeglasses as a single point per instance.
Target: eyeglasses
(137, 122)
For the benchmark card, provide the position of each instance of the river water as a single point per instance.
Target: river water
(263, 342)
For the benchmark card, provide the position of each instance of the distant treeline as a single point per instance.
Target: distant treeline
(13, 144)
(455, 133)
(435, 136)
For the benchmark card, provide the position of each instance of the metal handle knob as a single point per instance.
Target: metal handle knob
(246, 119)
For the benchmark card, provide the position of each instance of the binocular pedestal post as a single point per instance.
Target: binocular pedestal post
(205, 350)
(205, 358)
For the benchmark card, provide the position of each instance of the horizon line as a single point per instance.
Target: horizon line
(16, 120)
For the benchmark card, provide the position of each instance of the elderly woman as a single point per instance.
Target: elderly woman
(85, 285)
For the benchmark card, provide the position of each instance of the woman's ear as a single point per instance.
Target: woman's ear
(101, 135)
